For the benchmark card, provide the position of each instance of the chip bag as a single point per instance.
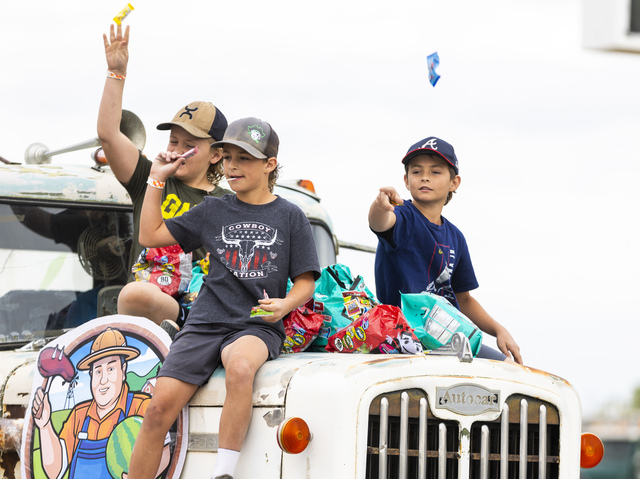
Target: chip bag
(198, 273)
(383, 329)
(336, 288)
(435, 320)
(168, 267)
(301, 327)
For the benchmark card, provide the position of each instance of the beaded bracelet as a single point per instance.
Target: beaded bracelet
(155, 183)
(110, 74)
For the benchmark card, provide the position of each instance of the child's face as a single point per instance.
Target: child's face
(245, 173)
(428, 179)
(181, 141)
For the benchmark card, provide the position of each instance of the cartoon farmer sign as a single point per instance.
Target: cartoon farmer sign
(89, 398)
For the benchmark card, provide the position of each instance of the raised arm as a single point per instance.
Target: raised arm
(121, 153)
(472, 309)
(381, 215)
(153, 231)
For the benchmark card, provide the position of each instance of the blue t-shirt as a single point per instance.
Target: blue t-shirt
(418, 256)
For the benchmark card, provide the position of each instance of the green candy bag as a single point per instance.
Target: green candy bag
(435, 320)
(329, 300)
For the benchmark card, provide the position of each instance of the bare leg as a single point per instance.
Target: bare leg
(241, 360)
(169, 397)
(147, 300)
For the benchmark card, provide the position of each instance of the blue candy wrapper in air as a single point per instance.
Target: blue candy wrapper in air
(433, 61)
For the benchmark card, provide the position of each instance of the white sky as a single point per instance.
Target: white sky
(545, 131)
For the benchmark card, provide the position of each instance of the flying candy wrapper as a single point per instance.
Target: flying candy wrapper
(433, 61)
(123, 13)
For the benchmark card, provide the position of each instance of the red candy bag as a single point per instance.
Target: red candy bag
(383, 329)
(168, 267)
(302, 326)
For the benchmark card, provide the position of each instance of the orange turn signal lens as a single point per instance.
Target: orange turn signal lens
(307, 185)
(293, 435)
(99, 157)
(591, 450)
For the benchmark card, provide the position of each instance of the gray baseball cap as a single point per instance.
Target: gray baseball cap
(253, 135)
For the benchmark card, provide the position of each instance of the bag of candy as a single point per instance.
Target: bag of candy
(301, 327)
(341, 298)
(383, 329)
(435, 320)
(168, 267)
(198, 273)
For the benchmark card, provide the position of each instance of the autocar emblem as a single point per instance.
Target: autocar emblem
(467, 399)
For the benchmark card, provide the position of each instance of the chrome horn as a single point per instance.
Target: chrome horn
(130, 125)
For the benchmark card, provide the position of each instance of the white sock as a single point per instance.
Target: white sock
(227, 460)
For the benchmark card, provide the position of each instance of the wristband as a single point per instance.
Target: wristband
(110, 74)
(155, 183)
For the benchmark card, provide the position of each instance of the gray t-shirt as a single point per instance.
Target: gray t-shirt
(253, 249)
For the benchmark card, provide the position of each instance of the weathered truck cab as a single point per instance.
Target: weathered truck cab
(63, 250)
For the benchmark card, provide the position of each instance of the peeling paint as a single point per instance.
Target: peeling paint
(274, 418)
(547, 374)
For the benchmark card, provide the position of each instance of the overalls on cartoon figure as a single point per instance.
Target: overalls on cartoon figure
(89, 458)
(84, 453)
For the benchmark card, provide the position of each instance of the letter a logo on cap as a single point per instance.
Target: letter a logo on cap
(431, 143)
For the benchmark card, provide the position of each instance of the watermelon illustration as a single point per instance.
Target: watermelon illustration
(120, 446)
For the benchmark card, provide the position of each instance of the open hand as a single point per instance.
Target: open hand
(508, 346)
(116, 49)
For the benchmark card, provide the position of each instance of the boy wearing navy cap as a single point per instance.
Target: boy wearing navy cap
(421, 251)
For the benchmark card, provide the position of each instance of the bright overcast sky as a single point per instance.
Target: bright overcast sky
(545, 132)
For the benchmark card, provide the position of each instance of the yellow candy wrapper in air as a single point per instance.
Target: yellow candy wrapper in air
(123, 13)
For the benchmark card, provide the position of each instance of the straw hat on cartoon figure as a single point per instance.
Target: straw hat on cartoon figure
(110, 342)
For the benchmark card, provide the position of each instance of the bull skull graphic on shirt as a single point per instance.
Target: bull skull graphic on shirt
(245, 242)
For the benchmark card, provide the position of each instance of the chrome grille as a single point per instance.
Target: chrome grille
(523, 443)
(405, 441)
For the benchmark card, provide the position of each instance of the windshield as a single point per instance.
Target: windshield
(61, 267)
(53, 264)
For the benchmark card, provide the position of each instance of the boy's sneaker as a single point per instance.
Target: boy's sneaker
(172, 329)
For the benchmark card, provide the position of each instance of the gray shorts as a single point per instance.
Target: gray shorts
(487, 352)
(196, 349)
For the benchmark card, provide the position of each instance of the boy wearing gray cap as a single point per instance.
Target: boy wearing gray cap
(257, 240)
(421, 251)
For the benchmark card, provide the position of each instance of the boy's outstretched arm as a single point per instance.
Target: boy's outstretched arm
(381, 215)
(120, 151)
(472, 309)
(153, 231)
(300, 292)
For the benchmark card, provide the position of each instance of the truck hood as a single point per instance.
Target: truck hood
(289, 373)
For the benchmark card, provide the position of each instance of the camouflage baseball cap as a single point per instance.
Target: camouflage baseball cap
(254, 136)
(200, 118)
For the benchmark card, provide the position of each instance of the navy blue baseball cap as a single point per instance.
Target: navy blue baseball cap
(433, 145)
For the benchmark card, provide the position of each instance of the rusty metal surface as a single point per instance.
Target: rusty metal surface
(80, 184)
